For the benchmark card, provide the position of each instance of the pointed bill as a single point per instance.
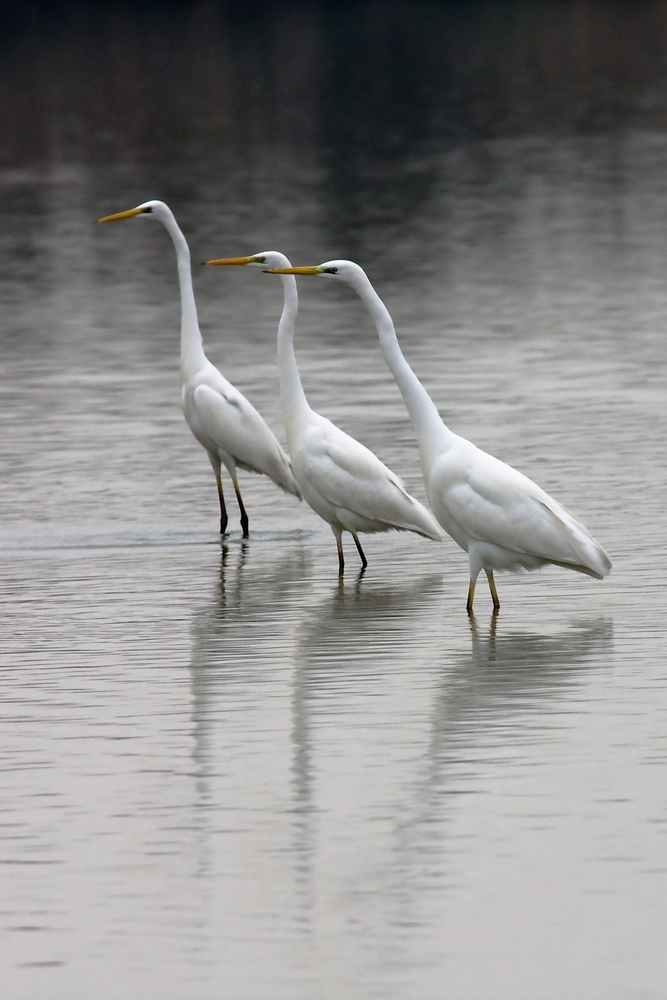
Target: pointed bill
(317, 269)
(230, 260)
(130, 214)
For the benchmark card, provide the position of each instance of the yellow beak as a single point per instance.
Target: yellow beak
(231, 260)
(130, 214)
(294, 270)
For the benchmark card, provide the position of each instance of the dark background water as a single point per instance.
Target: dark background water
(221, 773)
(361, 97)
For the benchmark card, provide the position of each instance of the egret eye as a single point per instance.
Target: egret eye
(259, 260)
(147, 210)
(331, 270)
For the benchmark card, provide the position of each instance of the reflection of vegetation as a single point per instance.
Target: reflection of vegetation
(405, 78)
(374, 78)
(367, 90)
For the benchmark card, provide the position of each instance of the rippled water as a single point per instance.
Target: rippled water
(224, 774)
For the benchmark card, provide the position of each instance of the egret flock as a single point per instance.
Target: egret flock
(502, 519)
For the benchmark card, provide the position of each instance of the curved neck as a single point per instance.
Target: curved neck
(192, 350)
(433, 434)
(294, 402)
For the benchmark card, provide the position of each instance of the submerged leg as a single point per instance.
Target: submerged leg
(223, 509)
(364, 560)
(244, 516)
(492, 588)
(471, 597)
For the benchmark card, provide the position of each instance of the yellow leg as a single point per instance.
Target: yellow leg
(492, 588)
(471, 596)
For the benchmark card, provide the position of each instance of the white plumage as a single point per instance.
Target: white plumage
(348, 486)
(220, 417)
(344, 482)
(502, 519)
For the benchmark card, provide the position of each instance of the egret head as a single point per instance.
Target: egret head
(157, 209)
(266, 259)
(343, 270)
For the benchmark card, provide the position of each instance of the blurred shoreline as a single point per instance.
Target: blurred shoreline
(378, 82)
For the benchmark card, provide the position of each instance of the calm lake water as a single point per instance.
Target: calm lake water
(224, 774)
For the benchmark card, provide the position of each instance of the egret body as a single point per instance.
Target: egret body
(344, 482)
(502, 519)
(220, 417)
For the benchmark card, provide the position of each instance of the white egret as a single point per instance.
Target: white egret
(220, 417)
(344, 482)
(502, 519)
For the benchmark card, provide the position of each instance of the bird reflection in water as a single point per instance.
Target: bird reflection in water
(488, 694)
(493, 624)
(234, 636)
(352, 635)
(500, 693)
(497, 697)
(245, 626)
(524, 663)
(224, 571)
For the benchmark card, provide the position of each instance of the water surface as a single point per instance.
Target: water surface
(223, 772)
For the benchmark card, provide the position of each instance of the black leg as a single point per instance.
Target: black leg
(244, 516)
(341, 557)
(364, 560)
(223, 509)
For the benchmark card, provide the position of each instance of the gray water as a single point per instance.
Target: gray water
(224, 774)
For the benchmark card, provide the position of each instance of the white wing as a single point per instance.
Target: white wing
(228, 419)
(492, 502)
(351, 478)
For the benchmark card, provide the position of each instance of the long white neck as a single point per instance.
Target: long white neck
(192, 350)
(294, 403)
(433, 435)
